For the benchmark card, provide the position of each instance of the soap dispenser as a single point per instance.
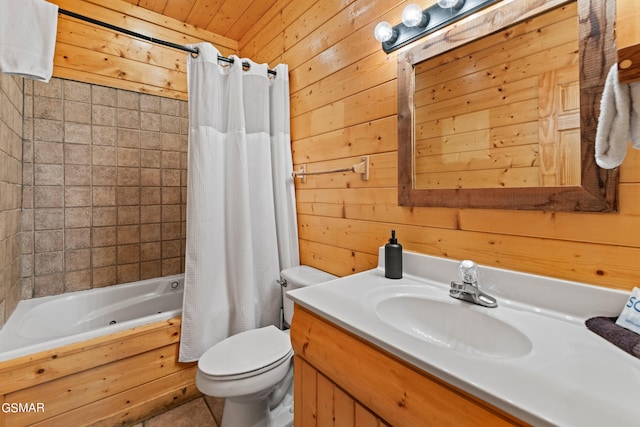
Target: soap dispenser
(393, 258)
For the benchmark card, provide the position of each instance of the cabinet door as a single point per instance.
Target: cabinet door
(340, 377)
(321, 403)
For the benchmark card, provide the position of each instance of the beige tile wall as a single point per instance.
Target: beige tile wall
(11, 110)
(104, 187)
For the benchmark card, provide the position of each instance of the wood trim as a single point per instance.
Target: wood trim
(395, 391)
(598, 189)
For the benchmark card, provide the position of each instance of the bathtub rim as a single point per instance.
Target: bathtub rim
(10, 328)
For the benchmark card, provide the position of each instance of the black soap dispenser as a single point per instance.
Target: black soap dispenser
(393, 258)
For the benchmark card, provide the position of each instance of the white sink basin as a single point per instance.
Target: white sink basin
(453, 324)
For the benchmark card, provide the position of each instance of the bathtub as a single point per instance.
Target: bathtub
(106, 356)
(40, 324)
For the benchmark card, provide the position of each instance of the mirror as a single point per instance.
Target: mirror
(500, 110)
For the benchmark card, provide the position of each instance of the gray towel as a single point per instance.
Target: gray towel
(625, 339)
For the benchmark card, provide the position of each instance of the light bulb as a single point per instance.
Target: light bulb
(448, 4)
(383, 32)
(412, 16)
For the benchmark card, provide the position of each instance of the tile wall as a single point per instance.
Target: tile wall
(104, 190)
(11, 110)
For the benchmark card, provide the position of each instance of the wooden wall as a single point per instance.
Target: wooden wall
(344, 105)
(93, 54)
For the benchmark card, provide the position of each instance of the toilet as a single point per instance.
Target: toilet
(253, 370)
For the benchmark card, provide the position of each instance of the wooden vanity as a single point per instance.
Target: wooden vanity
(343, 380)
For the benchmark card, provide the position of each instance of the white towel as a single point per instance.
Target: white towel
(28, 31)
(619, 120)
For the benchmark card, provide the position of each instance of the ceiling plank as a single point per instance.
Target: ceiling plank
(203, 12)
(179, 9)
(154, 5)
(226, 16)
(248, 18)
(232, 19)
(188, 33)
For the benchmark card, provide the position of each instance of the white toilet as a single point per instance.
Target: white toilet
(253, 370)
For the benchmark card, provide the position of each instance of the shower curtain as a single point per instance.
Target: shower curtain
(241, 222)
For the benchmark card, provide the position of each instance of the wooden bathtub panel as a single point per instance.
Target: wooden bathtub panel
(132, 405)
(120, 378)
(153, 406)
(48, 365)
(95, 384)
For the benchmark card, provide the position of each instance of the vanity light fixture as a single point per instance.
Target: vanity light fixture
(451, 4)
(417, 23)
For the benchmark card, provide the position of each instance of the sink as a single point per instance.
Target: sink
(527, 357)
(453, 324)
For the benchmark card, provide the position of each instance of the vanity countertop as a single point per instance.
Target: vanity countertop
(567, 376)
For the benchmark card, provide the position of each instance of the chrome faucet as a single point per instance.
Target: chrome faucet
(467, 288)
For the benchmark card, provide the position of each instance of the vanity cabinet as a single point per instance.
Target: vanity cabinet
(628, 40)
(342, 380)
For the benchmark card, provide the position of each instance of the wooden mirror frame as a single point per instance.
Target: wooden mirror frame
(598, 189)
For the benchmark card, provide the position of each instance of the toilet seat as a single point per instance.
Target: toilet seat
(246, 354)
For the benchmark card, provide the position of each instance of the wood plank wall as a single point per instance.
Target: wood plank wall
(344, 105)
(93, 54)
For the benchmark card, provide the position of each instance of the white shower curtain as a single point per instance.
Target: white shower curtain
(241, 222)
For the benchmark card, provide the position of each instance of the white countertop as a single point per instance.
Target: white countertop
(571, 376)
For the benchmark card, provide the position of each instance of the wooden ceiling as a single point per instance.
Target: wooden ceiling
(229, 18)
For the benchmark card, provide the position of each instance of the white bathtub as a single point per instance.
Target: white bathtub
(44, 323)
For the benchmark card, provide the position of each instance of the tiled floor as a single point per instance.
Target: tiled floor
(201, 412)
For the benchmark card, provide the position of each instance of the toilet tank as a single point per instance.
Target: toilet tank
(298, 277)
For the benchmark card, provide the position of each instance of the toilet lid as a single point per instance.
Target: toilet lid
(247, 353)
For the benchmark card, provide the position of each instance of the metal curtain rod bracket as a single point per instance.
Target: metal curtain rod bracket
(362, 168)
(193, 50)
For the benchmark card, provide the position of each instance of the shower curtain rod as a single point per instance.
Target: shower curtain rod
(193, 50)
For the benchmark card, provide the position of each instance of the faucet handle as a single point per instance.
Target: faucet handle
(468, 272)
(457, 286)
